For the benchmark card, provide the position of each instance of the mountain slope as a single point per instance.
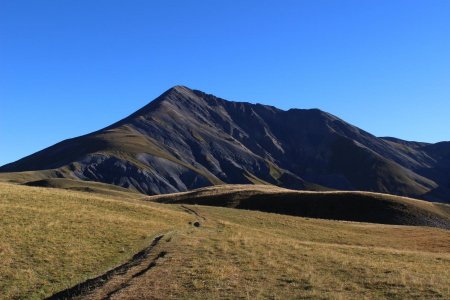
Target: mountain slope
(187, 139)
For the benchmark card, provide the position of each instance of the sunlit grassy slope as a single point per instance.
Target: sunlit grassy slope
(50, 239)
(240, 254)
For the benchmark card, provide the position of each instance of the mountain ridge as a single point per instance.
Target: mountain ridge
(187, 139)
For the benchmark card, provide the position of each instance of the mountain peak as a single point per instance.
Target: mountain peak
(179, 89)
(177, 93)
(172, 95)
(186, 139)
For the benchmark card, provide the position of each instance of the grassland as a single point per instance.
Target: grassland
(241, 254)
(335, 205)
(52, 239)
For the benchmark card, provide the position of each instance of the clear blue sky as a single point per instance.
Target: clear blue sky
(71, 67)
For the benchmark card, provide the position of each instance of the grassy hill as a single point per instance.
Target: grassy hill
(53, 239)
(336, 205)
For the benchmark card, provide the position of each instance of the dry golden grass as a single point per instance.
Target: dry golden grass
(252, 255)
(337, 205)
(51, 239)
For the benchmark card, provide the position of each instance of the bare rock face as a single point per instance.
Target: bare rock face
(187, 139)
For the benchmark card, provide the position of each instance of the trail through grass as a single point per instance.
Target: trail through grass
(52, 239)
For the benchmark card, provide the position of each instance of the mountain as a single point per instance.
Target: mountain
(187, 139)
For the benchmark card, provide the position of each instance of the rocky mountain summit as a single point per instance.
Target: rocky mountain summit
(187, 139)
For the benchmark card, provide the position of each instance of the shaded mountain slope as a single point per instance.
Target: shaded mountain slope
(186, 139)
(349, 206)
